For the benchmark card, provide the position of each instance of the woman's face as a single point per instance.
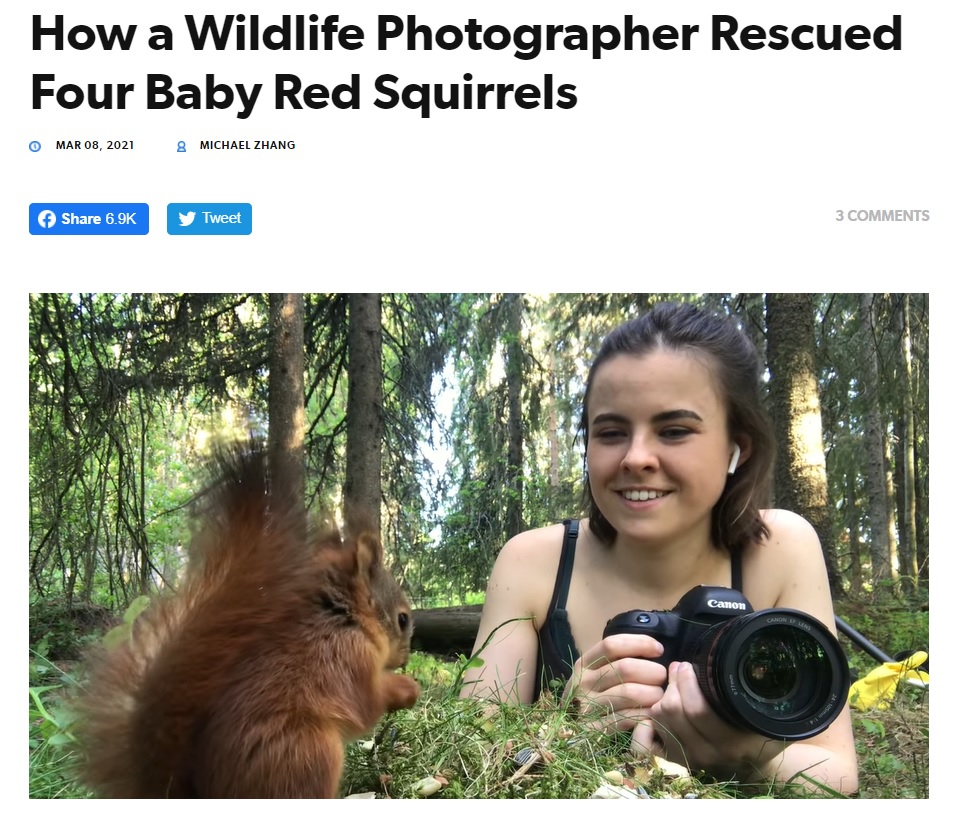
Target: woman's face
(658, 447)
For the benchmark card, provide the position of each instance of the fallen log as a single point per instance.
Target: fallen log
(445, 631)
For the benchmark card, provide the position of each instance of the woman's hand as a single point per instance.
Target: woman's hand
(683, 728)
(617, 681)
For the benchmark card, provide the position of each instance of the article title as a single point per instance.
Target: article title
(329, 33)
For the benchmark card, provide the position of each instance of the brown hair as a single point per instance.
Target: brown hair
(736, 518)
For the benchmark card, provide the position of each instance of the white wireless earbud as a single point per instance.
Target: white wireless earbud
(733, 461)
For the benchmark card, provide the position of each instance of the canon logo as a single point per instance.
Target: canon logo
(725, 604)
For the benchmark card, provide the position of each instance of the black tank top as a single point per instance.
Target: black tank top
(556, 652)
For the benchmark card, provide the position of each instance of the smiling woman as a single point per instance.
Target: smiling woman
(678, 454)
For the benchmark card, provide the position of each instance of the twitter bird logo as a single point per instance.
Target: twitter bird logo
(186, 218)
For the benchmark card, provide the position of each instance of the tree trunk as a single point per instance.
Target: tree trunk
(908, 558)
(920, 441)
(854, 537)
(921, 512)
(364, 420)
(286, 394)
(514, 388)
(801, 481)
(554, 421)
(892, 526)
(882, 572)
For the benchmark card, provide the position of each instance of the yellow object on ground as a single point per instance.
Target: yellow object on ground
(876, 689)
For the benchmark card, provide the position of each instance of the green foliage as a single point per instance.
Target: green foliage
(893, 629)
(481, 751)
(51, 748)
(117, 382)
(60, 629)
(476, 749)
(845, 407)
(121, 633)
(434, 675)
(892, 747)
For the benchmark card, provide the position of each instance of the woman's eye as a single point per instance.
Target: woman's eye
(609, 434)
(675, 432)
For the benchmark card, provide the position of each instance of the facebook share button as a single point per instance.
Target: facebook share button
(209, 219)
(89, 218)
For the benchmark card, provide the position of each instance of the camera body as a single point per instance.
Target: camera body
(680, 629)
(777, 672)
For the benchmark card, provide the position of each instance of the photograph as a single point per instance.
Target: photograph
(479, 545)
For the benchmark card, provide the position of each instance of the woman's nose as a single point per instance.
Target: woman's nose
(641, 454)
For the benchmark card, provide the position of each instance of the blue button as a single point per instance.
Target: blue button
(209, 219)
(88, 219)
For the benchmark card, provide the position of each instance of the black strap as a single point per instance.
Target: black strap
(555, 650)
(736, 572)
(565, 572)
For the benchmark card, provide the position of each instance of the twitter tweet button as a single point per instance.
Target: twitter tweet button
(209, 219)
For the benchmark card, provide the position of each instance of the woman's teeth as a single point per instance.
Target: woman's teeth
(639, 495)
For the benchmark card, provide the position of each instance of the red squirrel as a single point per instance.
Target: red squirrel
(278, 647)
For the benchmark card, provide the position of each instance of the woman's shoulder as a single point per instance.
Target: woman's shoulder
(788, 569)
(532, 558)
(542, 543)
(788, 531)
(789, 553)
(525, 572)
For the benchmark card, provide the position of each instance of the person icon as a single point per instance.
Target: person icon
(182, 146)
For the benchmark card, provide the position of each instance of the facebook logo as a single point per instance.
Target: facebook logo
(47, 218)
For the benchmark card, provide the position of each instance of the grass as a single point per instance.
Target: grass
(51, 746)
(467, 749)
(473, 750)
(892, 747)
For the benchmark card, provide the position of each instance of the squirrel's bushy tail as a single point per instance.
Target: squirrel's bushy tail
(238, 532)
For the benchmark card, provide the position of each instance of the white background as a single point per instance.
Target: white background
(676, 171)
(694, 163)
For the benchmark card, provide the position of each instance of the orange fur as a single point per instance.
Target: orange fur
(247, 683)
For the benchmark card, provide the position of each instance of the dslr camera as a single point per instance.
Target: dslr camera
(777, 672)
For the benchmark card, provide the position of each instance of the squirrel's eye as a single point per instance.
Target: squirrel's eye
(403, 620)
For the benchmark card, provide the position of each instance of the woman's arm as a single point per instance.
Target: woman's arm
(507, 638)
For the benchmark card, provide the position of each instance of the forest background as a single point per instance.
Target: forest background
(450, 417)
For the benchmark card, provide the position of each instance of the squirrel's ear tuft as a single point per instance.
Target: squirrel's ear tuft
(368, 550)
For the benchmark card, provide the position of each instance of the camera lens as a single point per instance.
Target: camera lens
(777, 672)
(772, 667)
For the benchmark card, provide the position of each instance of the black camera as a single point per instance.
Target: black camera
(777, 672)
